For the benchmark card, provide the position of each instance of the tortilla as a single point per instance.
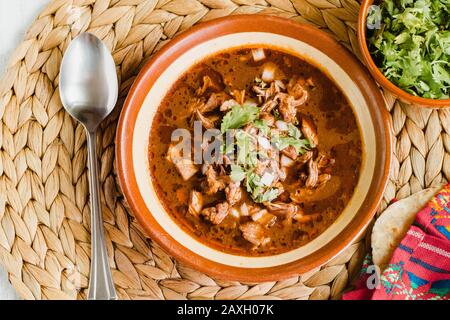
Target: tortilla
(391, 227)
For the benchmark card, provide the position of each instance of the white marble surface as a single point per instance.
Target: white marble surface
(15, 17)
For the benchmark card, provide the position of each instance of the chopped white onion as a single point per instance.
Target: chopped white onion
(244, 210)
(263, 142)
(259, 214)
(267, 179)
(258, 54)
(235, 213)
(280, 124)
(286, 161)
(268, 74)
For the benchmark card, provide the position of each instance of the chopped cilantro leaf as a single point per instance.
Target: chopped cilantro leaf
(237, 173)
(293, 131)
(239, 116)
(262, 126)
(281, 142)
(269, 195)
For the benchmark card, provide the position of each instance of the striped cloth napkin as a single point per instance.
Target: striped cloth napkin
(420, 266)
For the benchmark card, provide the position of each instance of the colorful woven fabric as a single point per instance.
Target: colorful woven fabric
(420, 267)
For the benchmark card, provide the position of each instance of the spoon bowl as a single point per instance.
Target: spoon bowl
(88, 81)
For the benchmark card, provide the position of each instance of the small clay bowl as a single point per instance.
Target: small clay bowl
(378, 75)
(175, 58)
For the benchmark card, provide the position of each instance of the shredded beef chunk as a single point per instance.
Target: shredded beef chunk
(296, 89)
(291, 152)
(304, 158)
(324, 161)
(233, 193)
(313, 171)
(215, 182)
(310, 132)
(282, 209)
(216, 214)
(254, 233)
(215, 100)
(206, 122)
(288, 108)
(184, 165)
(264, 218)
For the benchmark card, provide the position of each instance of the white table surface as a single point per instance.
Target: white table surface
(15, 18)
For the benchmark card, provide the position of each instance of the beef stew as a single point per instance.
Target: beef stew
(291, 168)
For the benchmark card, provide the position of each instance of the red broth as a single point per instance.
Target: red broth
(309, 208)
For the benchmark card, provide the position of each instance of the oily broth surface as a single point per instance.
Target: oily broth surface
(337, 130)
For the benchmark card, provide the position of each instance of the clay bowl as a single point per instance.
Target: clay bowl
(378, 75)
(156, 78)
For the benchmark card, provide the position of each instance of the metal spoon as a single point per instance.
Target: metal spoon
(88, 88)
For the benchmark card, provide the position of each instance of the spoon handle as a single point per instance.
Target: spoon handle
(101, 285)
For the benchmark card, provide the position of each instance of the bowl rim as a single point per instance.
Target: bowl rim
(250, 23)
(379, 76)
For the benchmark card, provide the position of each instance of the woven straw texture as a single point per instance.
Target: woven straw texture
(44, 212)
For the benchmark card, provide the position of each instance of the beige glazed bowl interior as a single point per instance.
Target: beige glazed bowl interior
(133, 163)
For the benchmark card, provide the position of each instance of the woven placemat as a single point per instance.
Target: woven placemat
(44, 213)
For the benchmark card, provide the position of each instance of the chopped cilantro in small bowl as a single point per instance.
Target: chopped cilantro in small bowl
(406, 46)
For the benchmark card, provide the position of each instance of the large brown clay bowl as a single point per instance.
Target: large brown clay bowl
(205, 39)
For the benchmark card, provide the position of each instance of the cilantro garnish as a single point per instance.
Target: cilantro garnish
(269, 195)
(260, 188)
(237, 173)
(239, 116)
(281, 142)
(262, 126)
(412, 47)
